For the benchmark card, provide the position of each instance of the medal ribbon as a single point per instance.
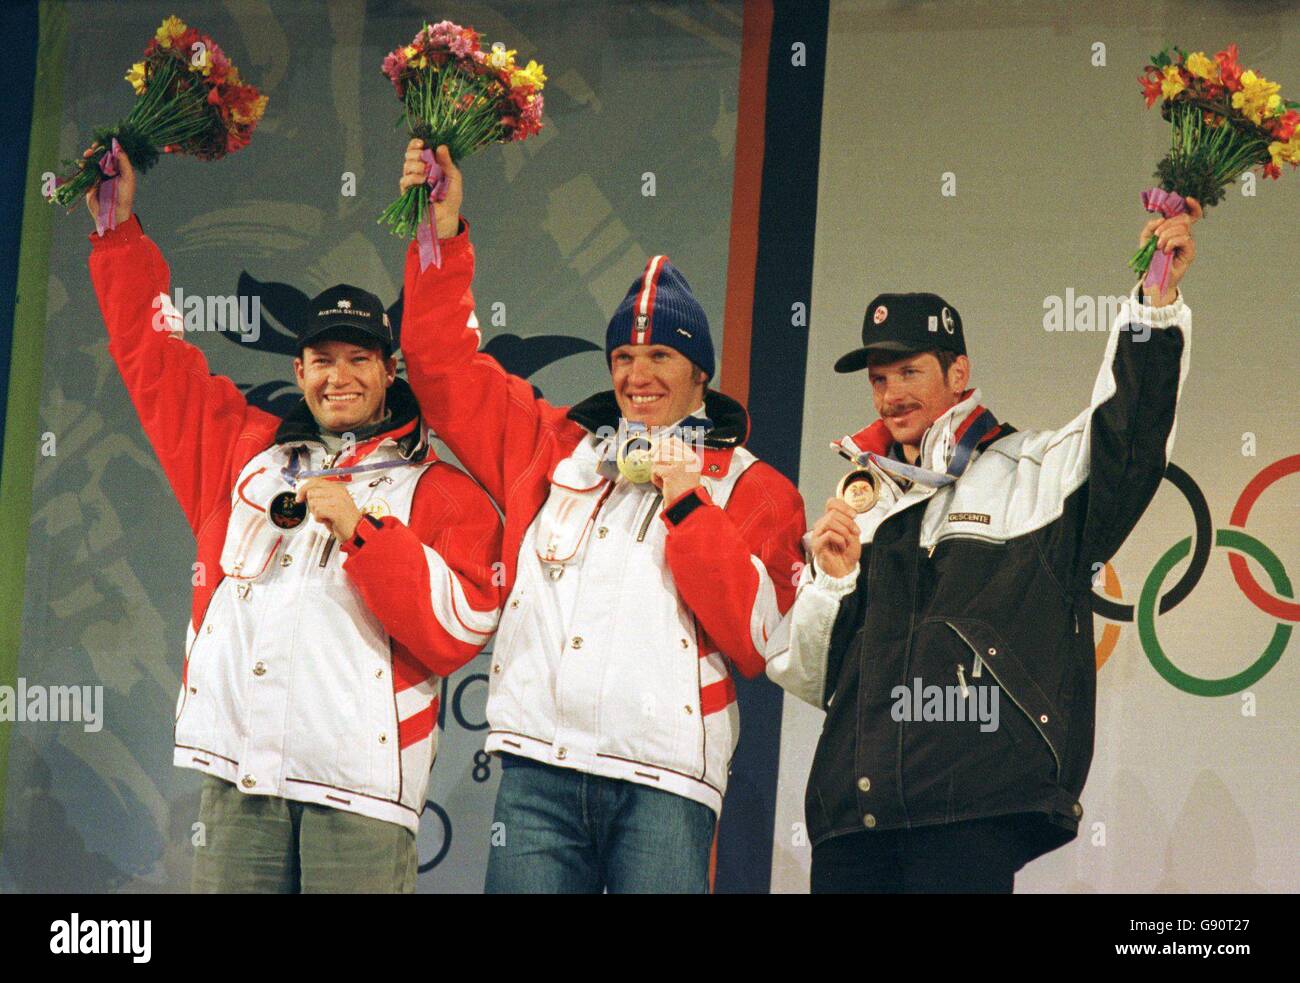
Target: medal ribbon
(977, 426)
(294, 472)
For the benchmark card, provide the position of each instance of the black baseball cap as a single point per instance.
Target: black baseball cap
(347, 313)
(906, 323)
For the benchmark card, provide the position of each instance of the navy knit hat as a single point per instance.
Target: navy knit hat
(660, 309)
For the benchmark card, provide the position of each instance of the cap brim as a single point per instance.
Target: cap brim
(856, 360)
(358, 329)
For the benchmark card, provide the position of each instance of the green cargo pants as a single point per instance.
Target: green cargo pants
(260, 844)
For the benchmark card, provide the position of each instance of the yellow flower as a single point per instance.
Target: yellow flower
(532, 75)
(410, 51)
(172, 28)
(501, 59)
(1288, 152)
(256, 109)
(1200, 66)
(136, 77)
(1258, 97)
(1173, 82)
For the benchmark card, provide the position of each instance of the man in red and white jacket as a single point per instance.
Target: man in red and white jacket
(325, 607)
(629, 602)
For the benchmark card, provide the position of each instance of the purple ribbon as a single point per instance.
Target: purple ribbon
(1168, 204)
(106, 217)
(427, 234)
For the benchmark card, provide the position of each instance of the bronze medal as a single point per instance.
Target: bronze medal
(859, 490)
(286, 512)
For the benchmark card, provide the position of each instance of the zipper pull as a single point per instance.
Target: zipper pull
(933, 546)
(325, 553)
(961, 678)
(977, 669)
(1076, 621)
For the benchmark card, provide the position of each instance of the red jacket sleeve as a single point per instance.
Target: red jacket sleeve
(490, 419)
(191, 417)
(433, 584)
(736, 569)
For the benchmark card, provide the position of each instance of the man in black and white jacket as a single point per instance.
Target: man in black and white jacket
(945, 625)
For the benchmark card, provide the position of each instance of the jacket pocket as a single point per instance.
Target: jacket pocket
(1014, 680)
(566, 520)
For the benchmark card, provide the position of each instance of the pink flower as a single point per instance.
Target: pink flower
(395, 64)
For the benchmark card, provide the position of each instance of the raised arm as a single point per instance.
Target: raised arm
(192, 418)
(1120, 445)
(490, 419)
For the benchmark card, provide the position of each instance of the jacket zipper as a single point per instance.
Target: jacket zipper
(961, 679)
(968, 537)
(654, 507)
(1032, 719)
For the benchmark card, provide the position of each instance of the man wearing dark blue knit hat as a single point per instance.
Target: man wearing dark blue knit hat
(647, 555)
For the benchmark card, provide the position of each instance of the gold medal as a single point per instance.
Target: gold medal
(859, 490)
(636, 460)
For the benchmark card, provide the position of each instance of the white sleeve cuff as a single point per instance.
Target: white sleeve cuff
(1159, 317)
(837, 587)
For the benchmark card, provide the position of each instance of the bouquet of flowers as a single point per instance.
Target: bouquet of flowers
(454, 92)
(189, 99)
(1225, 122)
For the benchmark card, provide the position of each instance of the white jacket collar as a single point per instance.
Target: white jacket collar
(937, 444)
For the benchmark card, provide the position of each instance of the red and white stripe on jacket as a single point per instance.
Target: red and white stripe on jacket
(311, 671)
(636, 682)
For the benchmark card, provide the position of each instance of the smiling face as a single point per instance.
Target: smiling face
(344, 384)
(654, 384)
(912, 392)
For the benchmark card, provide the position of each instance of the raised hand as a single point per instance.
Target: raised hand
(1174, 236)
(414, 173)
(124, 199)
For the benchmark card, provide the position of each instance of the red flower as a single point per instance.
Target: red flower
(183, 45)
(1272, 170)
(1284, 126)
(1229, 70)
(1150, 88)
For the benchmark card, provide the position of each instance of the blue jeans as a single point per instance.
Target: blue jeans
(567, 832)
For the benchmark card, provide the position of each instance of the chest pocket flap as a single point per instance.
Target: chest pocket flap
(577, 493)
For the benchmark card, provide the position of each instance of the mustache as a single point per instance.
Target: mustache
(899, 410)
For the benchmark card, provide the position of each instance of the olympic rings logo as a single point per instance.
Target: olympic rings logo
(1240, 545)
